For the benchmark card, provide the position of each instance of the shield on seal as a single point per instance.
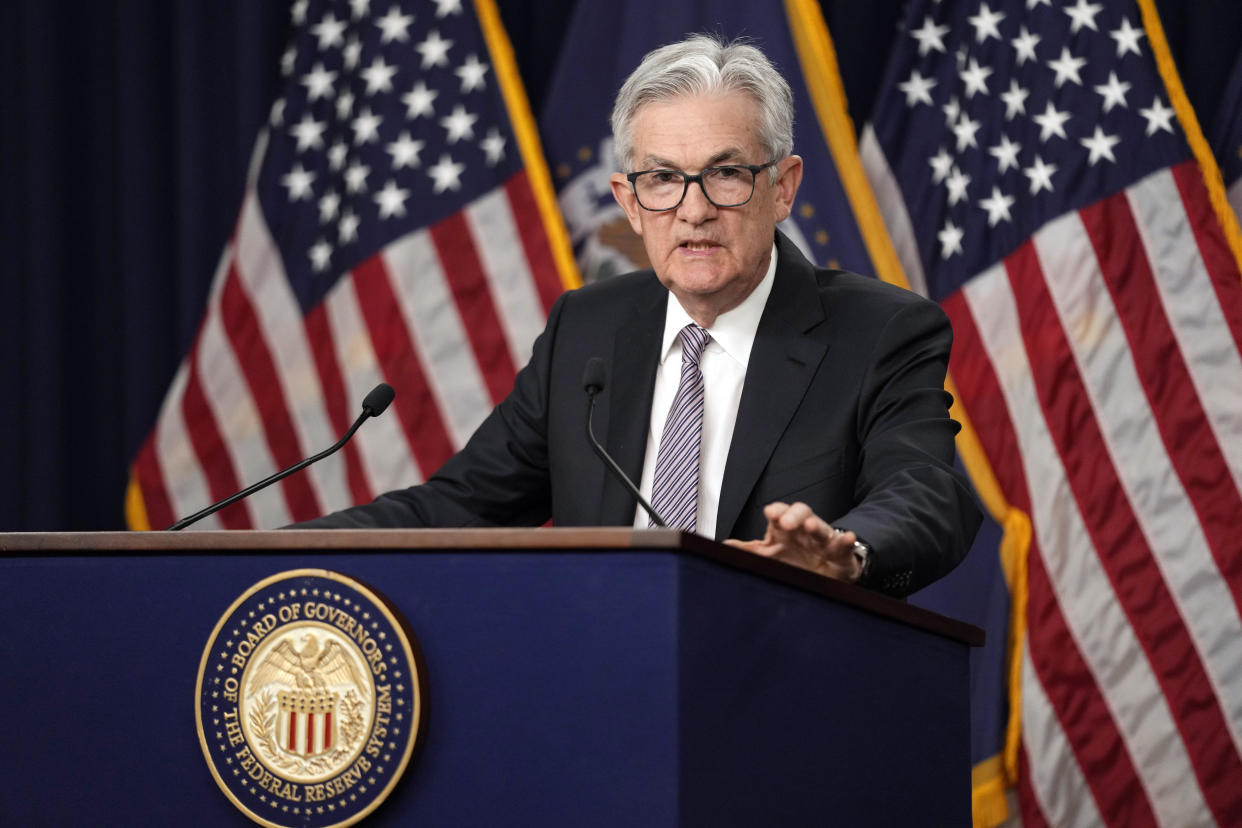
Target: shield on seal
(306, 725)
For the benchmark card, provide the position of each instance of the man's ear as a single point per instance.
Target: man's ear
(788, 178)
(624, 194)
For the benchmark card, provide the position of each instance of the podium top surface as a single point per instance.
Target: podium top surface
(416, 541)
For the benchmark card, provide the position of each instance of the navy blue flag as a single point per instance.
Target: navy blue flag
(1227, 137)
(1045, 181)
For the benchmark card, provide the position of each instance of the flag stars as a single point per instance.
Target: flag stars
(1100, 146)
(446, 174)
(985, 23)
(359, 8)
(1159, 117)
(1051, 122)
(329, 204)
(446, 7)
(950, 239)
(347, 229)
(394, 26)
(418, 101)
(337, 153)
(288, 60)
(1032, 4)
(1015, 100)
(308, 132)
(1113, 92)
(1127, 37)
(952, 110)
(330, 31)
(965, 131)
(997, 205)
(356, 177)
(379, 76)
(493, 146)
(298, 181)
(957, 182)
(1024, 45)
(1082, 15)
(975, 78)
(345, 105)
(471, 74)
(352, 53)
(930, 36)
(1005, 153)
(366, 126)
(404, 151)
(434, 50)
(917, 89)
(459, 125)
(391, 200)
(1066, 67)
(941, 164)
(320, 256)
(1040, 175)
(318, 83)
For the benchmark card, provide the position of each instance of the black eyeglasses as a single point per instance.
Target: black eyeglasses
(730, 185)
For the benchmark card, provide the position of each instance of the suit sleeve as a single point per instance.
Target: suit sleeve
(499, 478)
(913, 506)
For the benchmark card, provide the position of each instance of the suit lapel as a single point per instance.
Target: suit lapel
(636, 352)
(783, 361)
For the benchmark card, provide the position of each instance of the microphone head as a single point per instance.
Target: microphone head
(594, 376)
(377, 401)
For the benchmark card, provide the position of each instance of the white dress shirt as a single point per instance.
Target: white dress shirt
(723, 365)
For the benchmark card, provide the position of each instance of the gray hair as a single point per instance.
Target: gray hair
(703, 65)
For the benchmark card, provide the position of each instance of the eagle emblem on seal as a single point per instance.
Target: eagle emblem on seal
(317, 685)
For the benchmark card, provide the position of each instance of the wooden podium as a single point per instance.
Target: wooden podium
(575, 678)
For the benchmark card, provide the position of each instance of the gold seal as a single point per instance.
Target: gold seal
(309, 700)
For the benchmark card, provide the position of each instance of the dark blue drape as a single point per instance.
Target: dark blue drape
(126, 127)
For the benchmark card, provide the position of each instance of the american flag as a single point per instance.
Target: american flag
(397, 225)
(1046, 182)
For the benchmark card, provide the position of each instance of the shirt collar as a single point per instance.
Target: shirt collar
(734, 330)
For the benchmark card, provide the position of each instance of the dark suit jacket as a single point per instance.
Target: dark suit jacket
(843, 408)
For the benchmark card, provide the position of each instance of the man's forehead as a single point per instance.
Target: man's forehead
(698, 130)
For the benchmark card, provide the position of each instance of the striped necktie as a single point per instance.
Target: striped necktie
(675, 489)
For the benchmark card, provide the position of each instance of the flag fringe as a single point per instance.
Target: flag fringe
(818, 59)
(531, 148)
(135, 507)
(1015, 545)
(1210, 170)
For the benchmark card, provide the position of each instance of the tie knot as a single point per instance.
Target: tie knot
(693, 340)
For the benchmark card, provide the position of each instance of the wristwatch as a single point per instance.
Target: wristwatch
(862, 553)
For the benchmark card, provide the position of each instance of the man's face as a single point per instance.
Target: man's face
(710, 257)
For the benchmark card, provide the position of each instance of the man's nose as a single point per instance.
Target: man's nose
(695, 207)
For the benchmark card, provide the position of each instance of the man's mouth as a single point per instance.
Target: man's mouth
(698, 246)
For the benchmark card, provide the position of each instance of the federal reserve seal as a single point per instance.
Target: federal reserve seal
(310, 700)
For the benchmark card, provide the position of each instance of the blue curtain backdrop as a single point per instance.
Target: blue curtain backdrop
(126, 127)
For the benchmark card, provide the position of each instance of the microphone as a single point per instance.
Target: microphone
(373, 405)
(594, 378)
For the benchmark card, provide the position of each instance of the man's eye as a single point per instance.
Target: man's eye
(725, 173)
(666, 177)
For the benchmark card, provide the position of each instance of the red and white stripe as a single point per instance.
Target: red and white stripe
(446, 315)
(1100, 364)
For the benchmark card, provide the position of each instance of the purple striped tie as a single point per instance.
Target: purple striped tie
(675, 490)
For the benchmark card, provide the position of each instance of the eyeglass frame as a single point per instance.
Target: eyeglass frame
(688, 179)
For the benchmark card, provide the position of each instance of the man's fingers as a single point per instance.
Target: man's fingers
(795, 516)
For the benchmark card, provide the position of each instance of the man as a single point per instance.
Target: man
(759, 397)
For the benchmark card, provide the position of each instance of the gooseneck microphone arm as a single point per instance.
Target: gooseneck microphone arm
(372, 406)
(594, 377)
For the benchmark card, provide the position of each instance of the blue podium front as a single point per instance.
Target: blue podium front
(572, 677)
